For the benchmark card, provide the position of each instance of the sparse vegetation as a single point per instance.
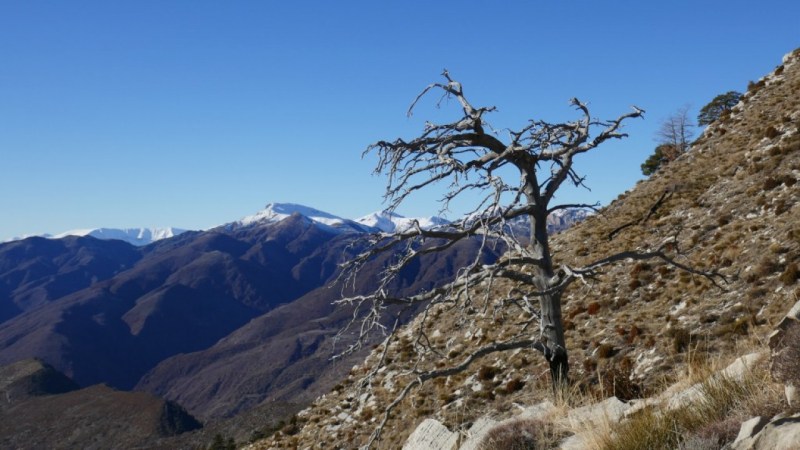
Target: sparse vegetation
(715, 204)
(521, 434)
(786, 363)
(220, 443)
(790, 275)
(713, 419)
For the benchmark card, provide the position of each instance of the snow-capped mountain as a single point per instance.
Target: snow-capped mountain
(382, 221)
(276, 212)
(378, 221)
(561, 219)
(390, 222)
(387, 222)
(558, 220)
(135, 236)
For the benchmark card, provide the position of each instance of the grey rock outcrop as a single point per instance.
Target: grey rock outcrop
(477, 432)
(781, 433)
(431, 435)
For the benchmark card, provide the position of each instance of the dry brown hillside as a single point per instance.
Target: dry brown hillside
(730, 205)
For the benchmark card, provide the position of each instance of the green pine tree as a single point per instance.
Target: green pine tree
(715, 108)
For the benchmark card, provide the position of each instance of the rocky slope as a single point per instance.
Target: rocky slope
(729, 204)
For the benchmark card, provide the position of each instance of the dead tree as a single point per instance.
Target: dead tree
(676, 133)
(474, 159)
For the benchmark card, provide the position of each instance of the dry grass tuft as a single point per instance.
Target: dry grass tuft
(521, 434)
(709, 422)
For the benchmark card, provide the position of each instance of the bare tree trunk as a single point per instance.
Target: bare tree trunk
(552, 333)
(551, 323)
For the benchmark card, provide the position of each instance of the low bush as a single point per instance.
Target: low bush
(521, 434)
(786, 360)
(790, 275)
(710, 422)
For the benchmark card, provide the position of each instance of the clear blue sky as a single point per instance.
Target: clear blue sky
(195, 113)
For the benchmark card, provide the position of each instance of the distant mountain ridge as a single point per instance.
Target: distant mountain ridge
(134, 236)
(381, 221)
(390, 222)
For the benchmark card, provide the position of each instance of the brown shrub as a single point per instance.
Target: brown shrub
(579, 309)
(680, 339)
(771, 183)
(514, 385)
(781, 207)
(593, 308)
(790, 275)
(486, 373)
(639, 268)
(739, 326)
(771, 132)
(753, 87)
(714, 435)
(521, 434)
(786, 357)
(617, 381)
(767, 266)
(606, 351)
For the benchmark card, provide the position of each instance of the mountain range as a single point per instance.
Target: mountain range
(385, 221)
(236, 318)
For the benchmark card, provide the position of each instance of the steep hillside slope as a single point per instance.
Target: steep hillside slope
(729, 204)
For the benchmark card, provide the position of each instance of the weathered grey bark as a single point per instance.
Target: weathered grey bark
(550, 323)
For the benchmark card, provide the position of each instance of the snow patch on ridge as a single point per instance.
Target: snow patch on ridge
(135, 236)
(275, 212)
(389, 222)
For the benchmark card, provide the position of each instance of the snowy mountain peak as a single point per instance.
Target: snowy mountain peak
(389, 222)
(276, 212)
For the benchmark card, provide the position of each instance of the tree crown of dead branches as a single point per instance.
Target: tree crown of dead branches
(470, 158)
